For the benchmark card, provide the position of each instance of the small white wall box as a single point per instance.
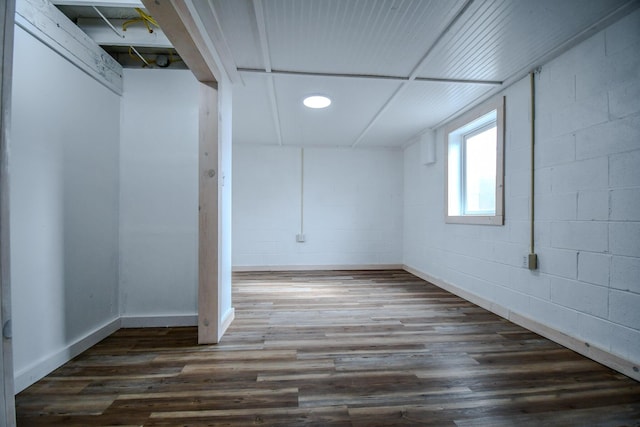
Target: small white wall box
(428, 148)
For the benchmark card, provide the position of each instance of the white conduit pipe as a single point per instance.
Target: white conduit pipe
(533, 258)
(104, 18)
(302, 191)
(139, 56)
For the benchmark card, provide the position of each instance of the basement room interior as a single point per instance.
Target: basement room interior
(320, 212)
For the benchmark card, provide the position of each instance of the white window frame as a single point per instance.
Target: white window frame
(455, 134)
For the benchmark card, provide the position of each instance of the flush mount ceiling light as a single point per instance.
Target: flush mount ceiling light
(316, 101)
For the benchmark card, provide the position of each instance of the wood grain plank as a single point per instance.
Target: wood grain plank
(342, 348)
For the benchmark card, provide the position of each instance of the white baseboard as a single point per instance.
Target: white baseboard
(159, 321)
(244, 268)
(25, 377)
(228, 317)
(38, 370)
(599, 355)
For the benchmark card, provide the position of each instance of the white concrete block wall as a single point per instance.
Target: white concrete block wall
(159, 193)
(587, 201)
(352, 206)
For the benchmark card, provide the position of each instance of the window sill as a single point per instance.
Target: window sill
(475, 219)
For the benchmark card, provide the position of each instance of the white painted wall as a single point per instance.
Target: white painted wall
(159, 194)
(64, 207)
(225, 196)
(587, 201)
(352, 206)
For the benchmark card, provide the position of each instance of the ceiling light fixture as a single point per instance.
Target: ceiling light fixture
(316, 101)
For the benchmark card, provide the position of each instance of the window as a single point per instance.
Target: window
(475, 166)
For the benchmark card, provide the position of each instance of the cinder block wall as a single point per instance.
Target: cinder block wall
(588, 178)
(587, 201)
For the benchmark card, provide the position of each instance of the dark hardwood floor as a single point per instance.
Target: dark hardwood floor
(338, 348)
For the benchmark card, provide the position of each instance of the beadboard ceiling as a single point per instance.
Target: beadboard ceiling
(393, 68)
(431, 59)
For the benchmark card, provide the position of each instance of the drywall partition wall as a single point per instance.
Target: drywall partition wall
(64, 209)
(159, 198)
(586, 208)
(352, 207)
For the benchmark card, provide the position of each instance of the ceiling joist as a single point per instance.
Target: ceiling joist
(369, 76)
(46, 23)
(134, 35)
(178, 25)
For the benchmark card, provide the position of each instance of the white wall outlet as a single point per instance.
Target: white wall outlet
(300, 238)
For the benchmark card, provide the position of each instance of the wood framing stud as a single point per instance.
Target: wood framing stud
(7, 405)
(208, 310)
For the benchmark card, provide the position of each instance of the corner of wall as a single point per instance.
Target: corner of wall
(45, 365)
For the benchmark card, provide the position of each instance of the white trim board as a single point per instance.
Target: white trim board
(248, 268)
(226, 321)
(26, 377)
(599, 355)
(46, 23)
(159, 321)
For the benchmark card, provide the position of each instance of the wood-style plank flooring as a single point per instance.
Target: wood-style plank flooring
(380, 348)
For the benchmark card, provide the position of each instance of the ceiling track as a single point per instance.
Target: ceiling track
(368, 76)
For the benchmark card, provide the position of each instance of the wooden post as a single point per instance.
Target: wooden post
(208, 270)
(189, 37)
(7, 402)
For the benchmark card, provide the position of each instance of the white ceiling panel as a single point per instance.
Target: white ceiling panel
(332, 46)
(354, 102)
(253, 121)
(358, 36)
(420, 106)
(498, 38)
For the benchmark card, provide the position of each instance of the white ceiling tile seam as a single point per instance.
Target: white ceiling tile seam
(415, 71)
(367, 76)
(261, 25)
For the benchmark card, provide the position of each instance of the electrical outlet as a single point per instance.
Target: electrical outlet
(300, 238)
(530, 261)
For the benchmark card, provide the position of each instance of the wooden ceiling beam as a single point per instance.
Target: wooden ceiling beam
(179, 26)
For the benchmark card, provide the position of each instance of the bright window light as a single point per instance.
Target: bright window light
(317, 101)
(480, 172)
(475, 174)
